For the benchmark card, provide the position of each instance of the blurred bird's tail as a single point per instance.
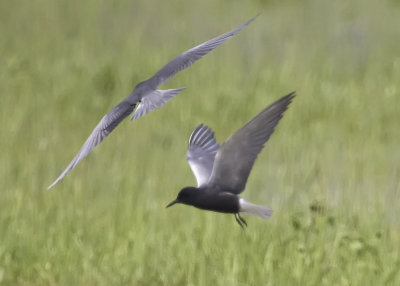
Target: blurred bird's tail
(248, 208)
(155, 100)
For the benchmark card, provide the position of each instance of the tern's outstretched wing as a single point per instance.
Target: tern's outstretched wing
(186, 59)
(236, 156)
(101, 131)
(201, 153)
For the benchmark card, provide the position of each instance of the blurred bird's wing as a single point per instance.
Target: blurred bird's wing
(201, 153)
(236, 156)
(154, 100)
(186, 59)
(158, 98)
(101, 131)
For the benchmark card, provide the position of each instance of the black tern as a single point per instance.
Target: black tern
(222, 172)
(148, 96)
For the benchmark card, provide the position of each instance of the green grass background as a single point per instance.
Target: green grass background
(330, 171)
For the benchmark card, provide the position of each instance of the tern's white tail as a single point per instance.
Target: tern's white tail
(248, 208)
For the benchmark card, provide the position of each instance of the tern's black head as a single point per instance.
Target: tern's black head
(186, 196)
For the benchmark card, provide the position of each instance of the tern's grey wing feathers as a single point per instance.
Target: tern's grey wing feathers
(236, 156)
(201, 153)
(154, 100)
(101, 131)
(186, 59)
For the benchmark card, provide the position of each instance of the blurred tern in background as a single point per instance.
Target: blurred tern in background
(147, 95)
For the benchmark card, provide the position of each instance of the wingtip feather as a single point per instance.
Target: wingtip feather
(53, 184)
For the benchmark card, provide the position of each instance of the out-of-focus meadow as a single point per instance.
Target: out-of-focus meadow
(330, 171)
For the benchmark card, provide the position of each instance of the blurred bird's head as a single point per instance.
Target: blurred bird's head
(185, 196)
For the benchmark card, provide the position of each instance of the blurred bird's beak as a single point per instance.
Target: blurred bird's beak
(172, 203)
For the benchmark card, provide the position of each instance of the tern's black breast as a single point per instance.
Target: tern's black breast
(219, 202)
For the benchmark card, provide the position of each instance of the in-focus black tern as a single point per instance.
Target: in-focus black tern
(222, 172)
(148, 96)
